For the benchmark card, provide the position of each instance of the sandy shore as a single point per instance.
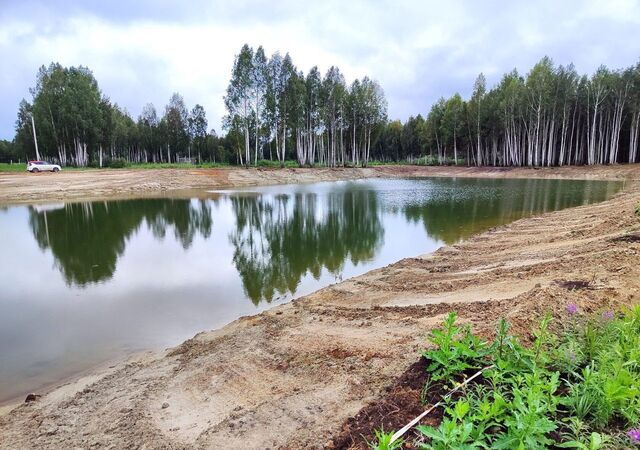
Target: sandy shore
(289, 377)
(123, 183)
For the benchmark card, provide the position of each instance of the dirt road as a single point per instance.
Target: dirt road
(289, 377)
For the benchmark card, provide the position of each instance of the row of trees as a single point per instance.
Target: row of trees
(552, 116)
(271, 103)
(77, 125)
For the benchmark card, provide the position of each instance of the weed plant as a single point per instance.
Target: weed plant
(577, 388)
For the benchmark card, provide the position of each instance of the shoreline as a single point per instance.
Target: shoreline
(80, 377)
(291, 375)
(114, 184)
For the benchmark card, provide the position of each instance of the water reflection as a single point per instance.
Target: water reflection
(88, 238)
(462, 207)
(277, 240)
(119, 276)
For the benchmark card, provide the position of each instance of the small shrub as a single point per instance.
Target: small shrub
(428, 160)
(383, 441)
(457, 349)
(118, 163)
(638, 210)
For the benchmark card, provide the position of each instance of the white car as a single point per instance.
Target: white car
(41, 166)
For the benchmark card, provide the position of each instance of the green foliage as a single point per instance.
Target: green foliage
(457, 349)
(9, 152)
(22, 167)
(276, 164)
(274, 108)
(208, 165)
(383, 441)
(542, 338)
(527, 424)
(118, 163)
(5, 167)
(451, 434)
(563, 391)
(606, 384)
(483, 128)
(638, 210)
(596, 441)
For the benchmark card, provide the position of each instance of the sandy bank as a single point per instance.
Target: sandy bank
(123, 183)
(289, 377)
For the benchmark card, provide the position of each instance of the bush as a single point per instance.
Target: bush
(638, 210)
(276, 164)
(578, 388)
(118, 163)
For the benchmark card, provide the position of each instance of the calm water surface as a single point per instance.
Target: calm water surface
(82, 283)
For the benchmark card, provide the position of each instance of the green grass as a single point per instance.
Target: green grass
(422, 161)
(22, 167)
(5, 167)
(15, 167)
(207, 165)
(575, 388)
(174, 165)
(290, 164)
(265, 163)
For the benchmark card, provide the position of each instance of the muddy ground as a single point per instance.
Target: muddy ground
(291, 377)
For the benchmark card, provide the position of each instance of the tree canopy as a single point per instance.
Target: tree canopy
(319, 119)
(551, 116)
(77, 124)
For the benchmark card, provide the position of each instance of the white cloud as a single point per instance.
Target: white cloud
(418, 51)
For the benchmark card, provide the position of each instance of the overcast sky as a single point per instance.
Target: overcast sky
(143, 51)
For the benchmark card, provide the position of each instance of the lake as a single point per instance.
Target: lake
(84, 283)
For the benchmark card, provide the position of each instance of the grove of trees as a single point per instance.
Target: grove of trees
(552, 116)
(78, 125)
(320, 119)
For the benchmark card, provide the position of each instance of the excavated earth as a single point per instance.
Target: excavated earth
(292, 376)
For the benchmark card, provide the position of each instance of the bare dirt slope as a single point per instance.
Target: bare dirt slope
(100, 184)
(289, 377)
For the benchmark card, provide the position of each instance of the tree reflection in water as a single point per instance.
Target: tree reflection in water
(279, 239)
(462, 207)
(87, 239)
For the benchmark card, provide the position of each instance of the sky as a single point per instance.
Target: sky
(143, 51)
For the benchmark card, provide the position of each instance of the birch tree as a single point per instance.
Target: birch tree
(198, 129)
(475, 110)
(238, 99)
(176, 119)
(259, 80)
